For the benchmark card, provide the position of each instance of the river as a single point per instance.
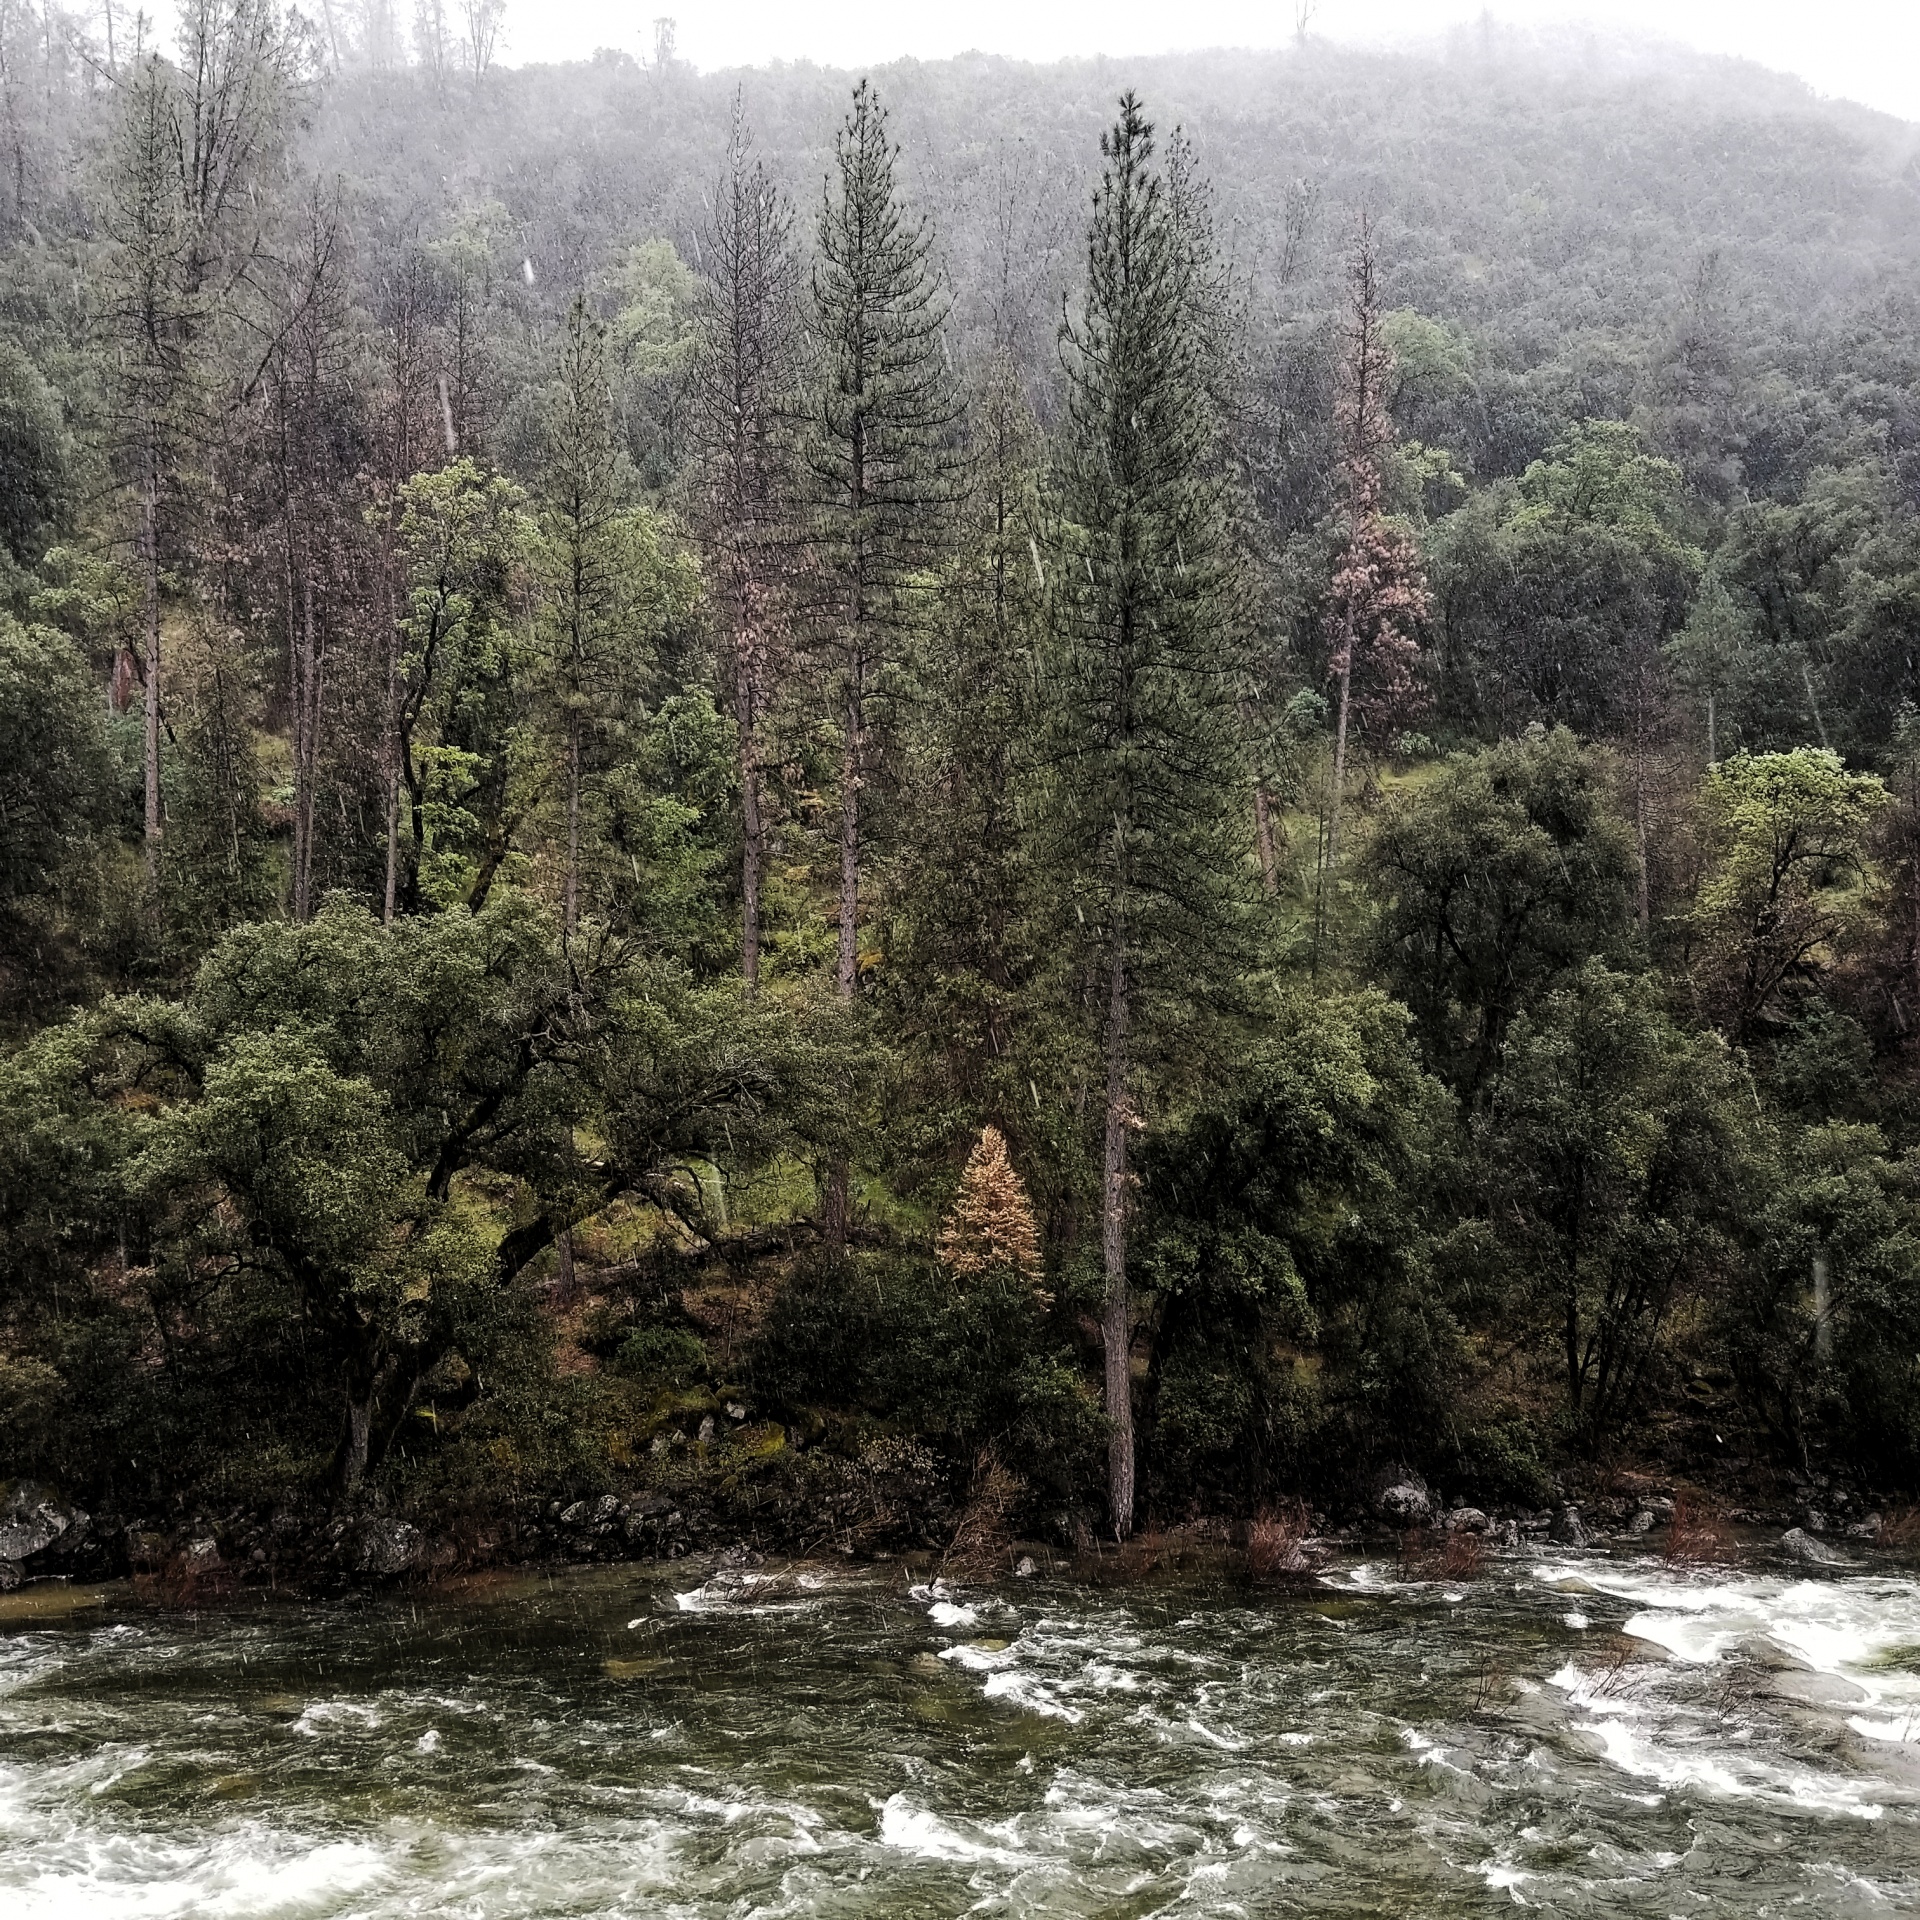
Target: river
(1572, 1733)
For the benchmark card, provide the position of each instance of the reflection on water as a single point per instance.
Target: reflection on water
(1578, 1734)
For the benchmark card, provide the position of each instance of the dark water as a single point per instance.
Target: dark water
(1575, 1735)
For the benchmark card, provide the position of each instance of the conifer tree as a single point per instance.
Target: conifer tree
(188, 202)
(593, 573)
(1149, 781)
(991, 1227)
(745, 375)
(150, 313)
(1379, 593)
(881, 467)
(881, 470)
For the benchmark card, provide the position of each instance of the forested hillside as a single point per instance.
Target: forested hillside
(983, 797)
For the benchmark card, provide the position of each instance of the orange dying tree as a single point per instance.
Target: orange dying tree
(991, 1228)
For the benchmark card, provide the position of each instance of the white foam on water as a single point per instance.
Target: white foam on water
(945, 1613)
(324, 1716)
(1023, 1690)
(911, 1828)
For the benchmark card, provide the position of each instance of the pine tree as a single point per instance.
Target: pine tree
(1379, 596)
(882, 464)
(593, 573)
(1149, 779)
(311, 421)
(991, 1227)
(189, 200)
(744, 379)
(152, 318)
(881, 469)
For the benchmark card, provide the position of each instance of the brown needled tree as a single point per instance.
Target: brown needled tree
(991, 1228)
(1379, 595)
(744, 379)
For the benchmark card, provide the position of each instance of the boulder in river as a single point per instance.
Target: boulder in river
(1466, 1520)
(1401, 1499)
(389, 1547)
(1801, 1545)
(1567, 1529)
(35, 1520)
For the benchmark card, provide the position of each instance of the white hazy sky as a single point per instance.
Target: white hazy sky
(1867, 50)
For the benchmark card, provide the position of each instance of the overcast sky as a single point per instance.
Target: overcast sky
(1865, 50)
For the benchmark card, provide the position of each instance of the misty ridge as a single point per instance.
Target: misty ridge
(946, 805)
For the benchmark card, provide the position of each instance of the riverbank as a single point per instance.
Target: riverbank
(896, 1502)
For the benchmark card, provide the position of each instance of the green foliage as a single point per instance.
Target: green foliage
(1845, 1378)
(1286, 1219)
(36, 458)
(1786, 836)
(970, 1366)
(1558, 590)
(1495, 880)
(1620, 1172)
(660, 1357)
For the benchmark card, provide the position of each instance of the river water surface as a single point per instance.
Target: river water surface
(1575, 1734)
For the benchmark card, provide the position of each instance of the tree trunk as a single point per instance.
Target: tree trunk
(150, 557)
(1713, 744)
(849, 847)
(1340, 754)
(393, 764)
(305, 752)
(1644, 903)
(752, 831)
(1822, 1306)
(838, 1211)
(1116, 1323)
(354, 1448)
(572, 915)
(1263, 837)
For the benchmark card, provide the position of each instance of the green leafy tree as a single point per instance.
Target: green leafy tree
(1559, 589)
(610, 585)
(1620, 1176)
(1494, 881)
(1786, 838)
(58, 793)
(459, 749)
(1287, 1243)
(1824, 1328)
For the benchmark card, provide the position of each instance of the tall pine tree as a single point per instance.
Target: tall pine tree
(882, 468)
(1150, 785)
(745, 375)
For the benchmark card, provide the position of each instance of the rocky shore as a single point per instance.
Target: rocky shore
(894, 1500)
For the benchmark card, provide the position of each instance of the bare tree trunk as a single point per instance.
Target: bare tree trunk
(1340, 752)
(1822, 1306)
(307, 706)
(393, 770)
(838, 1211)
(752, 828)
(1644, 904)
(1263, 837)
(150, 557)
(1713, 745)
(1116, 1322)
(572, 914)
(849, 846)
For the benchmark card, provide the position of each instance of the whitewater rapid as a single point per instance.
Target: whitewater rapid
(1572, 1732)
